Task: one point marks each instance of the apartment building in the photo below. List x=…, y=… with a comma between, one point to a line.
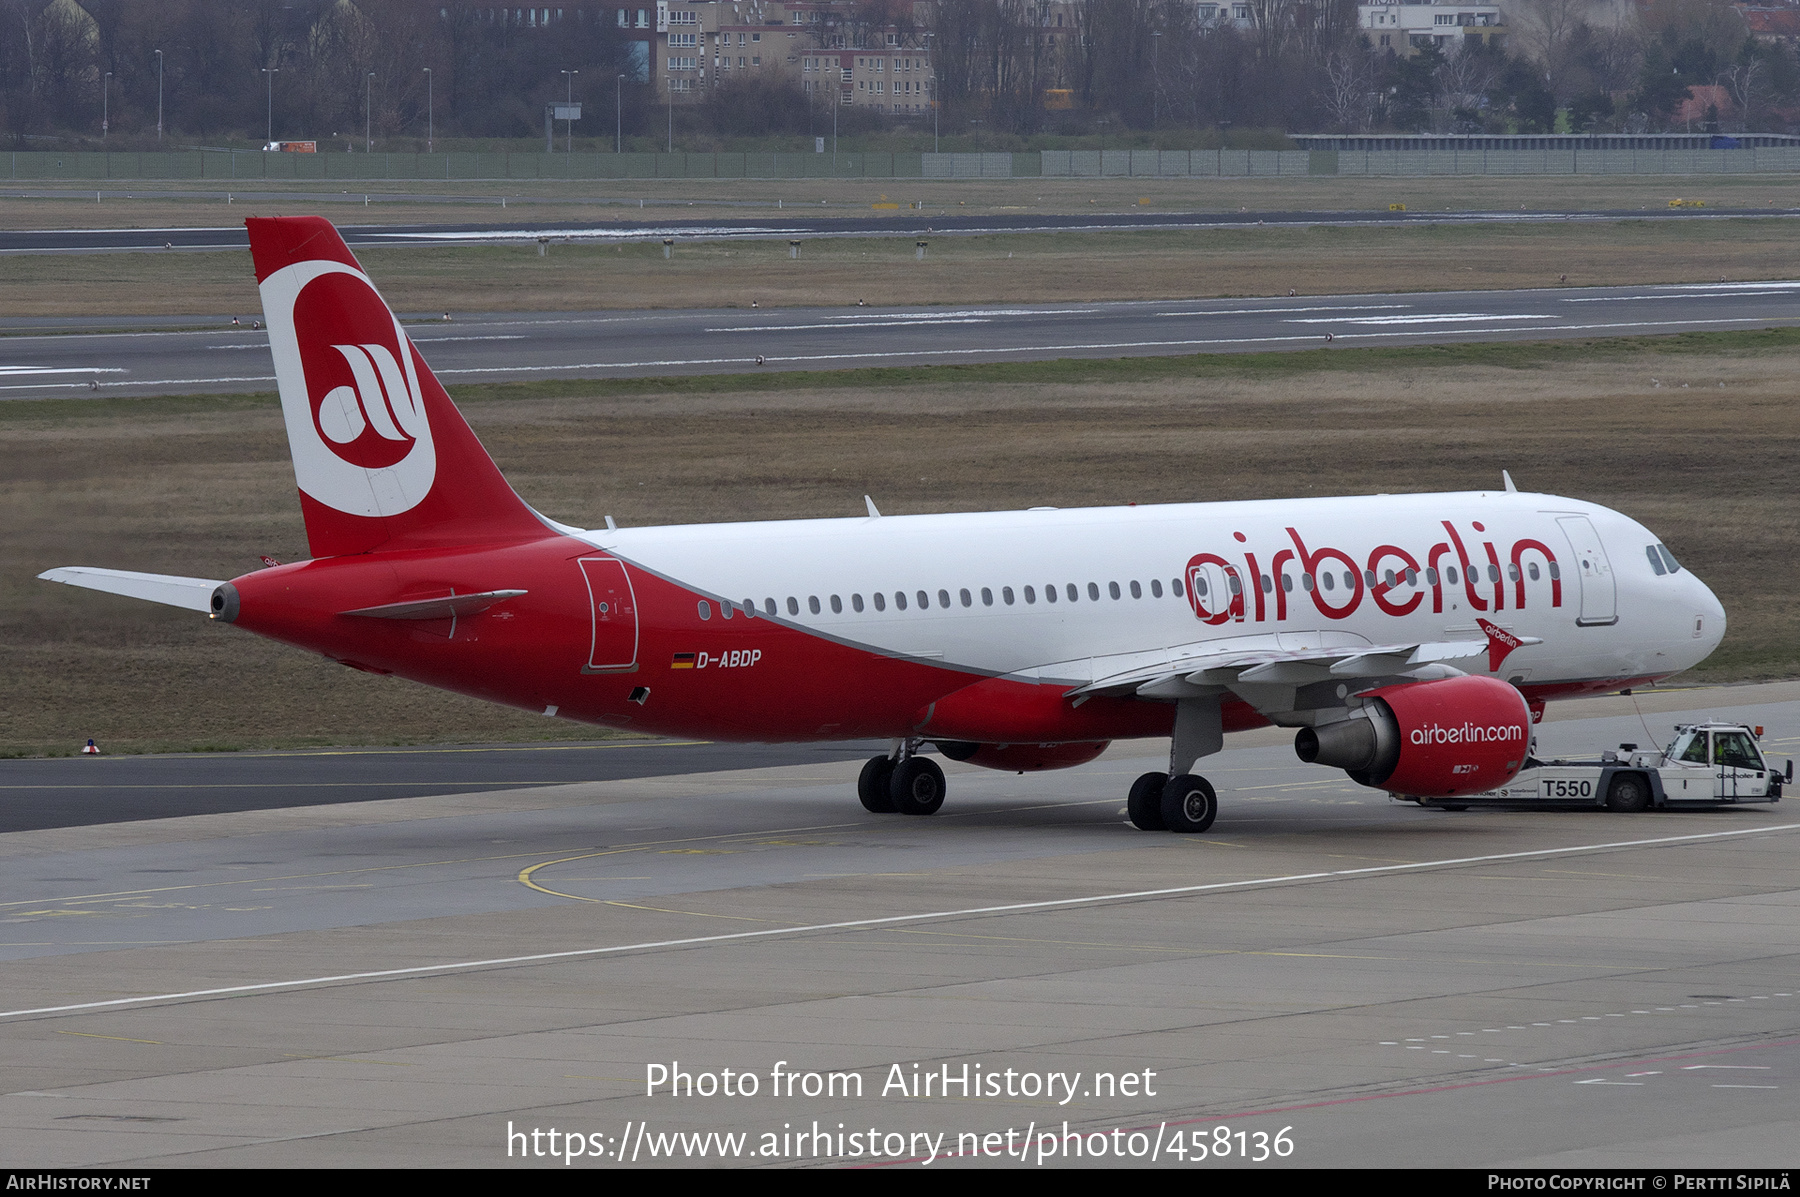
x=820, y=44
x=1405, y=29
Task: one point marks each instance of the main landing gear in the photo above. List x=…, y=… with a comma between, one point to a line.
x=911, y=785
x=1185, y=802
x=1178, y=800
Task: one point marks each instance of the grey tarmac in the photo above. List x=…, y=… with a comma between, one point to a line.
x=394, y=983
x=206, y=354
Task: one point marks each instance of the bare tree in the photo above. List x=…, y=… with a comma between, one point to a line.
x=1350, y=88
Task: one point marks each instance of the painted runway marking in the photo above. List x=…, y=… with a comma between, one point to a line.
x=890, y=920
x=31, y=371
x=1443, y=318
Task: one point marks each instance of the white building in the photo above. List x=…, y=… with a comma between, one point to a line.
x=1407, y=28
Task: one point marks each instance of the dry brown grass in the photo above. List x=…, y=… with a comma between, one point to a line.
x=957, y=270
x=203, y=488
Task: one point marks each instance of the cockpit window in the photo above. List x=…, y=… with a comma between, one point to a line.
x=1656, y=564
x=1669, y=559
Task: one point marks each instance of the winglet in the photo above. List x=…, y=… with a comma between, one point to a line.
x=1510, y=488
x=873, y=514
x=1500, y=644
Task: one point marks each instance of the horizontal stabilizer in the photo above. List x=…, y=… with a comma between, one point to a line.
x=195, y=594
x=448, y=607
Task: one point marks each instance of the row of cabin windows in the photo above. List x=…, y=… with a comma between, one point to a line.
x=1069, y=592
x=1072, y=593
x=1410, y=577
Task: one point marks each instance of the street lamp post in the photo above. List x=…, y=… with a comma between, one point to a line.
x=270, y=72
x=569, y=125
x=430, y=112
x=936, y=119
x=671, y=114
x=618, y=115
x=837, y=99
x=369, y=113
x=1155, y=77
x=159, y=94
x=105, y=106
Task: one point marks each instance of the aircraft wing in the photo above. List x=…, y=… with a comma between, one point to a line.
x=1192, y=674
x=195, y=594
x=1247, y=670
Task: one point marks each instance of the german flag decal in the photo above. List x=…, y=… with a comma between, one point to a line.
x=682, y=661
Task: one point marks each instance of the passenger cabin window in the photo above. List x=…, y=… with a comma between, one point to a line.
x=1006, y=595
x=705, y=609
x=1155, y=587
x=880, y=601
x=856, y=603
x=1137, y=592
x=837, y=605
x=1030, y=596
x=793, y=605
x=812, y=603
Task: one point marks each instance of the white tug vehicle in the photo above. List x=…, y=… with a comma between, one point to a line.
x=1709, y=764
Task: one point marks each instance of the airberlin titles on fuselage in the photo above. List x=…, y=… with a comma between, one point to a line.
x=1217, y=585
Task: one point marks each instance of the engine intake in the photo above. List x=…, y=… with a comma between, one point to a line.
x=1431, y=739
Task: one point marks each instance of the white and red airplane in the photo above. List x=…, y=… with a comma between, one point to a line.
x=1411, y=639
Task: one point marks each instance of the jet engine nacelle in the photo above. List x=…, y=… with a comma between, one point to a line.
x=1437, y=739
x=1022, y=758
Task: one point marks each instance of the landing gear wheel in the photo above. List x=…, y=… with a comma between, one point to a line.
x=1189, y=804
x=1628, y=795
x=1145, y=803
x=917, y=786
x=872, y=786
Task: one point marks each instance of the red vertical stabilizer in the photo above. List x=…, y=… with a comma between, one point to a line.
x=382, y=457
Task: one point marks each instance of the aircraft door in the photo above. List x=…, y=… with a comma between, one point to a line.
x=1213, y=591
x=615, y=642
x=1599, y=595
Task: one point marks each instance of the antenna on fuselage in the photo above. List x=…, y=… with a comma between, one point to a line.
x=1510, y=488
x=873, y=514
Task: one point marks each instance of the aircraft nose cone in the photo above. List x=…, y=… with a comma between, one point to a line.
x=1709, y=615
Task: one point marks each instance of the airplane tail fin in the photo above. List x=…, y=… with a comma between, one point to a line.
x=382, y=457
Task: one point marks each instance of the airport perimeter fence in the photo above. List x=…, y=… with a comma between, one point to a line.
x=249, y=166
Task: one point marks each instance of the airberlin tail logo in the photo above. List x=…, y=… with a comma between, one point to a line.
x=350, y=391
x=379, y=402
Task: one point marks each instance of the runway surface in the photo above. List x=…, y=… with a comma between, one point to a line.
x=84, y=790
x=38, y=362
x=793, y=221
x=402, y=982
